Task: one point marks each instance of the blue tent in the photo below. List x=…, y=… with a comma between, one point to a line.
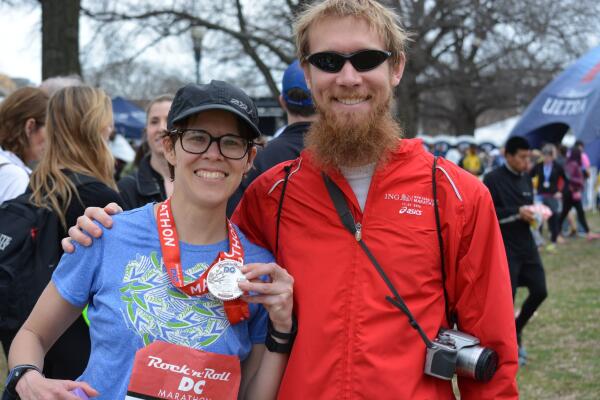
x=571, y=100
x=130, y=120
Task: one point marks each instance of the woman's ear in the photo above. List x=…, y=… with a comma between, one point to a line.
x=30, y=126
x=169, y=150
x=251, y=157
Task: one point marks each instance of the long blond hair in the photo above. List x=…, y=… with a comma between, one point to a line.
x=75, y=120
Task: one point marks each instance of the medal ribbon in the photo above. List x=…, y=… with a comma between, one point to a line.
x=547, y=173
x=236, y=310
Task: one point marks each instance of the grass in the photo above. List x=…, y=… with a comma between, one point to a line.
x=563, y=338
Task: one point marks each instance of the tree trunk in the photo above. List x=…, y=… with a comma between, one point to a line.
x=60, y=38
x=464, y=121
x=407, y=104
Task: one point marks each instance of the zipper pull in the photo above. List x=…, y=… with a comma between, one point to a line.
x=358, y=234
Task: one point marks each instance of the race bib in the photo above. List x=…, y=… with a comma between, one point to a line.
x=168, y=371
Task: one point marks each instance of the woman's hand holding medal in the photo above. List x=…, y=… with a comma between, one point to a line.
x=275, y=294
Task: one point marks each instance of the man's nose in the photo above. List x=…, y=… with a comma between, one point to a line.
x=348, y=76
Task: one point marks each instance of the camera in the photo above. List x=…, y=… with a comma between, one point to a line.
x=456, y=352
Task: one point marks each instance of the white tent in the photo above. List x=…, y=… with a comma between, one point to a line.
x=496, y=133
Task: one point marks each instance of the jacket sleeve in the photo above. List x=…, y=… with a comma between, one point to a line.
x=502, y=211
x=483, y=296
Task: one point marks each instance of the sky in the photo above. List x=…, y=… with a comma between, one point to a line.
x=20, y=44
x=20, y=41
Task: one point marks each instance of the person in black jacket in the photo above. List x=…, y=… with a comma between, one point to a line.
x=512, y=191
x=151, y=180
x=297, y=102
x=551, y=180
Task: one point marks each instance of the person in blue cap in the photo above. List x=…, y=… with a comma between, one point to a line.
x=297, y=102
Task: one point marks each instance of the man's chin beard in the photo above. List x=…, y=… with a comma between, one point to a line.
x=351, y=140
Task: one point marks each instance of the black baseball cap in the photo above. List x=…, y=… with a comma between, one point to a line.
x=216, y=95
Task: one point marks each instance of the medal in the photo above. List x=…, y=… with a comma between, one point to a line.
x=546, y=184
x=220, y=278
x=223, y=278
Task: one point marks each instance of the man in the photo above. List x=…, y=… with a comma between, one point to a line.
x=512, y=193
x=551, y=179
x=471, y=161
x=296, y=100
x=351, y=342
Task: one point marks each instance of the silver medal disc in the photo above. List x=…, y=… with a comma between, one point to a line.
x=223, y=278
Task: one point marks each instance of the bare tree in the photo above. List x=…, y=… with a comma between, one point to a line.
x=60, y=34
x=60, y=37
x=467, y=58
x=470, y=57
x=134, y=80
x=261, y=32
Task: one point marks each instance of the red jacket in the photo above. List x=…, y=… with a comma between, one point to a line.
x=352, y=343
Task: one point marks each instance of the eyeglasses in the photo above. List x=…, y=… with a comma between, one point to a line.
x=198, y=141
x=362, y=61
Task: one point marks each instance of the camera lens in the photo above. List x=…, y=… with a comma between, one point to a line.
x=486, y=365
x=477, y=362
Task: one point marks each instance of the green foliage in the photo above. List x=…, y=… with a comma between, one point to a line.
x=562, y=338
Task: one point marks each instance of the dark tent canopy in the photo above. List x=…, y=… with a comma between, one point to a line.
x=571, y=100
x=130, y=120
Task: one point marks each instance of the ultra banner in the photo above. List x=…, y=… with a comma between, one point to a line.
x=167, y=371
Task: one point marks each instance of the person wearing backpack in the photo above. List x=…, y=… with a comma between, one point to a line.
x=75, y=172
x=22, y=138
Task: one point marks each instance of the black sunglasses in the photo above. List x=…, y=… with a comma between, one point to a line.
x=362, y=60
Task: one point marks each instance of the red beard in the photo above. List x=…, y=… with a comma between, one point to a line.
x=348, y=140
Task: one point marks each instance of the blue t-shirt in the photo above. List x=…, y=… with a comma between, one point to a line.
x=132, y=302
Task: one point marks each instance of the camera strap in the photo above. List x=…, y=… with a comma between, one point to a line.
x=348, y=221
x=350, y=224
x=287, y=169
x=450, y=316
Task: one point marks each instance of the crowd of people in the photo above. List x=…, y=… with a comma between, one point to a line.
x=561, y=181
x=310, y=261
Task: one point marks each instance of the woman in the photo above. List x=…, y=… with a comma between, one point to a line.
x=550, y=180
x=151, y=181
x=573, y=192
x=78, y=125
x=134, y=302
x=22, y=138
